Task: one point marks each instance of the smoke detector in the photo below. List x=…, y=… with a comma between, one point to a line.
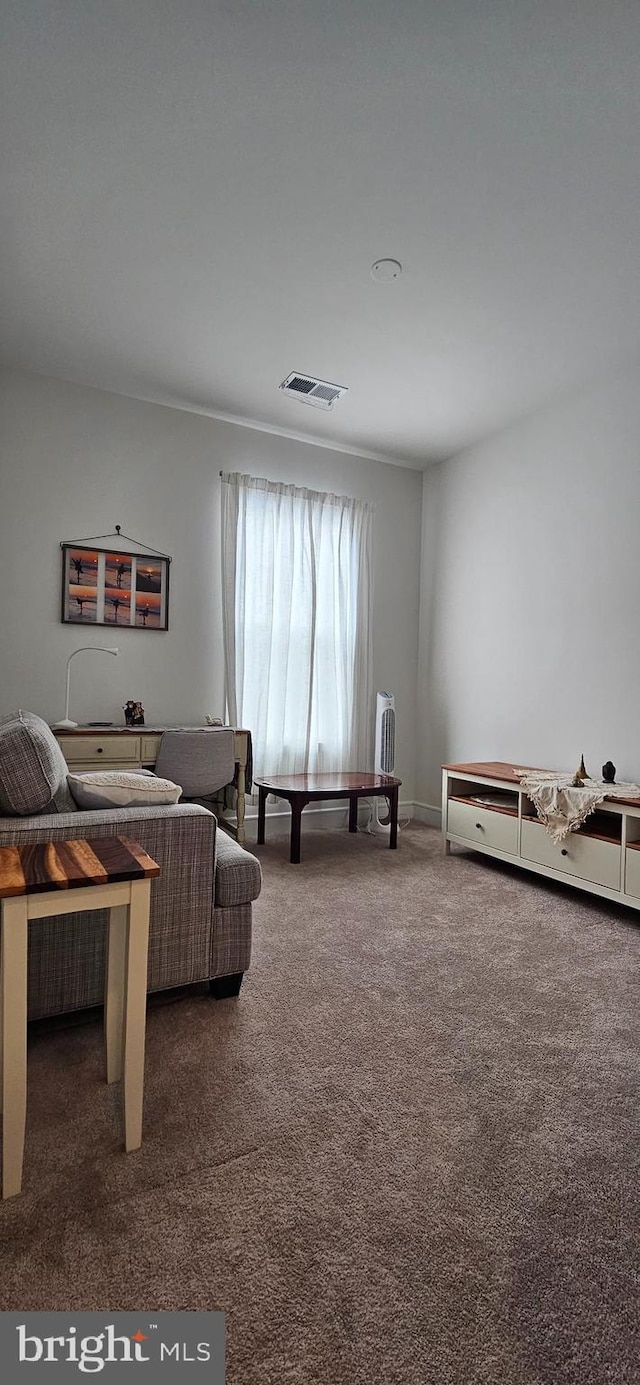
x=308, y=390
x=384, y=271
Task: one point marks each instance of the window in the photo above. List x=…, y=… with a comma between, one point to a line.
x=297, y=595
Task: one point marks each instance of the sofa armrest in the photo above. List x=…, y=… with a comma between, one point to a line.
x=66, y=954
x=57, y=827
x=180, y=837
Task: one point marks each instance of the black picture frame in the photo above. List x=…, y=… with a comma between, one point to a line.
x=116, y=588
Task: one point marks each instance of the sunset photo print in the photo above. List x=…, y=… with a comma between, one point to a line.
x=102, y=587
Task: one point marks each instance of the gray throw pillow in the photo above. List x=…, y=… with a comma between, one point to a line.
x=33, y=770
x=119, y=788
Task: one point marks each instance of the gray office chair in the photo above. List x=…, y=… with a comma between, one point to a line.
x=201, y=761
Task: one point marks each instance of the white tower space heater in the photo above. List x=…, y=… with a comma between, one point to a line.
x=385, y=753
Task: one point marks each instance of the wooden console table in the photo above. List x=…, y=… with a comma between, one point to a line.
x=603, y=856
x=136, y=747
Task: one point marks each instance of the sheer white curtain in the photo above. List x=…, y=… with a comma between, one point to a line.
x=297, y=625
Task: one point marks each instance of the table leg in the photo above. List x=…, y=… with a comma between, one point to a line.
x=446, y=845
x=13, y=962
x=240, y=805
x=262, y=809
x=393, y=813
x=353, y=813
x=135, y=1005
x=297, y=804
x=114, y=988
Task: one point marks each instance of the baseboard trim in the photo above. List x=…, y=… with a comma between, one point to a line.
x=427, y=812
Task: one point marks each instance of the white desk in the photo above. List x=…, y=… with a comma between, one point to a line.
x=136, y=747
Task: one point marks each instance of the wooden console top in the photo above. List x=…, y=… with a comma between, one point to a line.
x=501, y=769
x=139, y=730
x=495, y=769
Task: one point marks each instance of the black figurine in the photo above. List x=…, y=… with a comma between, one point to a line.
x=609, y=773
x=134, y=713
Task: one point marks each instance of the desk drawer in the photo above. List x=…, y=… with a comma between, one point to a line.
x=483, y=826
x=587, y=857
x=150, y=746
x=96, y=750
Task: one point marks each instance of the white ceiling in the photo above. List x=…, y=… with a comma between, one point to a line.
x=192, y=194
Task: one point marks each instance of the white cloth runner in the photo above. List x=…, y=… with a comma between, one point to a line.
x=562, y=806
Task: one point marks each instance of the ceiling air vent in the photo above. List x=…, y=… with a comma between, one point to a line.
x=311, y=391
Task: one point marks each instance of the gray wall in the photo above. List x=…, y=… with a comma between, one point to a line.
x=76, y=461
x=529, y=647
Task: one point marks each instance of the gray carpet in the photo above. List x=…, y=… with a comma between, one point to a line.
x=410, y=1152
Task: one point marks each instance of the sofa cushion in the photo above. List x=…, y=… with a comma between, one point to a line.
x=117, y=788
x=238, y=874
x=33, y=770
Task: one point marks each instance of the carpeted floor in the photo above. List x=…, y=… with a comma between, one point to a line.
x=409, y=1154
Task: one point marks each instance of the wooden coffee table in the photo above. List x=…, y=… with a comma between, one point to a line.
x=67, y=877
x=300, y=789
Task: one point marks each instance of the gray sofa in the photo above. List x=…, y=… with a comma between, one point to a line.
x=200, y=904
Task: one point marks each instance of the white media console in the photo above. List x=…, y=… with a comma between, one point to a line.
x=603, y=857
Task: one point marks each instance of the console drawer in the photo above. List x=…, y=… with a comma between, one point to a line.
x=589, y=858
x=96, y=750
x=483, y=826
x=632, y=873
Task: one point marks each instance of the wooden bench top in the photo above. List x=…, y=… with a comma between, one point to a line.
x=70, y=864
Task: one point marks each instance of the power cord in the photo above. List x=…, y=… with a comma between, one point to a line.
x=402, y=822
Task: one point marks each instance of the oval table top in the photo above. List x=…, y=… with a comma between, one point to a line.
x=337, y=781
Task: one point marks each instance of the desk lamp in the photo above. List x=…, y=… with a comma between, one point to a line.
x=68, y=725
